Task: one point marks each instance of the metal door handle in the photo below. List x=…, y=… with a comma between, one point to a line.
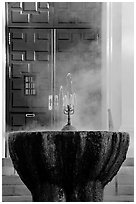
x=9, y=72
x=50, y=102
x=30, y=115
x=56, y=101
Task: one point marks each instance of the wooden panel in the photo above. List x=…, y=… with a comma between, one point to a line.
x=40, y=121
x=18, y=100
x=42, y=76
x=29, y=57
x=18, y=69
x=77, y=14
x=17, y=85
x=17, y=56
x=29, y=6
x=30, y=121
x=76, y=49
x=17, y=17
x=18, y=120
x=15, y=5
x=30, y=14
x=29, y=42
x=55, y=14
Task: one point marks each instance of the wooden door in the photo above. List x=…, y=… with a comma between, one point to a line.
x=46, y=41
x=29, y=71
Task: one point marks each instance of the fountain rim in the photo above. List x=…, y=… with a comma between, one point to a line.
x=67, y=131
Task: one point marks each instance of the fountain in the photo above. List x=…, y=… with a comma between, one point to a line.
x=69, y=103
x=67, y=165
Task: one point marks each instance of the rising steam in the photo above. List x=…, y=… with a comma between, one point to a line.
x=82, y=60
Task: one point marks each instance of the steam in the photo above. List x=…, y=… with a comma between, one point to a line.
x=83, y=60
x=87, y=13
x=85, y=68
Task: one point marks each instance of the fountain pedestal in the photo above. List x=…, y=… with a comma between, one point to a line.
x=67, y=165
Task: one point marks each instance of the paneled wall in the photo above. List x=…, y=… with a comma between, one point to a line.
x=29, y=60
x=46, y=41
x=54, y=14
x=29, y=14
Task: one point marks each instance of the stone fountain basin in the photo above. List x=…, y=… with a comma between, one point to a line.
x=67, y=165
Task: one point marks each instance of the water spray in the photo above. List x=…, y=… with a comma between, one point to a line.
x=68, y=103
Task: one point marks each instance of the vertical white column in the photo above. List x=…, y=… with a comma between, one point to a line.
x=104, y=64
x=115, y=64
x=127, y=123
x=106, y=60
x=111, y=64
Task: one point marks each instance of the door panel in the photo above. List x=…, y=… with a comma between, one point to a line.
x=30, y=73
x=77, y=14
x=29, y=121
x=19, y=101
x=75, y=52
x=54, y=14
x=18, y=69
x=32, y=14
x=17, y=121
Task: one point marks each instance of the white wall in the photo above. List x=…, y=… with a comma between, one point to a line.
x=128, y=72
x=121, y=69
x=115, y=66
x=111, y=70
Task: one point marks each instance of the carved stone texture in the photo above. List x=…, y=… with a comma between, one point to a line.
x=69, y=165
